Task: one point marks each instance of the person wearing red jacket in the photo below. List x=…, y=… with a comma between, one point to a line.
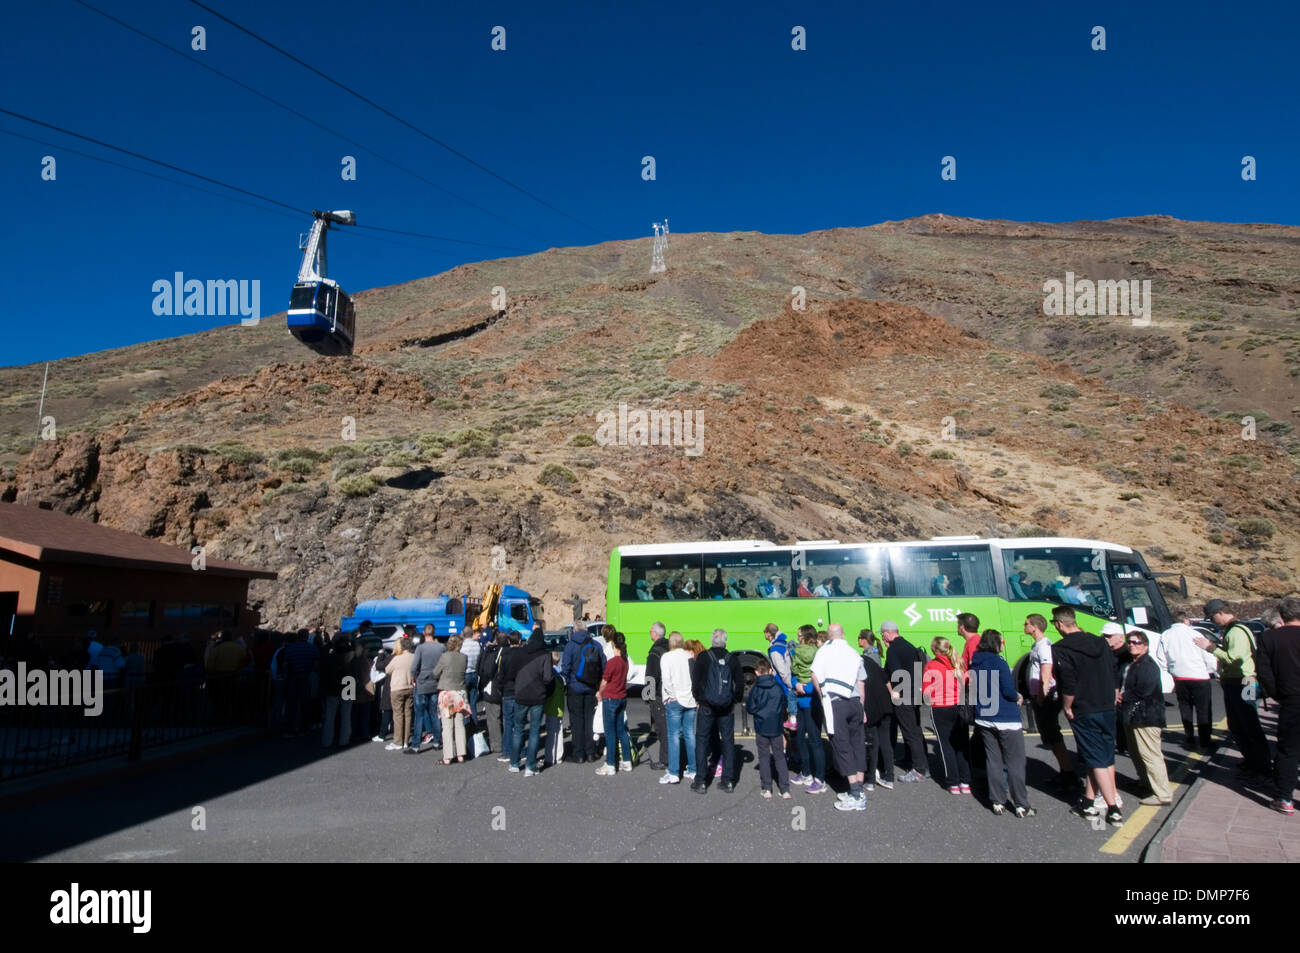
x=943, y=684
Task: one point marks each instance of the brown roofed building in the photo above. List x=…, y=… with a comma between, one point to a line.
x=61, y=577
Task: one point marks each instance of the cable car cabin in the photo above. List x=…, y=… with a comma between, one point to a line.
x=322, y=316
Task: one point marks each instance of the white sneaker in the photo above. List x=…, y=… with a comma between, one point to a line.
x=852, y=804
x=846, y=796
x=512, y=769
x=606, y=771
x=529, y=772
x=378, y=738
x=688, y=775
x=392, y=747
x=625, y=766
x=670, y=779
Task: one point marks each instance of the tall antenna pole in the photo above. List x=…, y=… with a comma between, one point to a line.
x=40, y=413
x=657, y=260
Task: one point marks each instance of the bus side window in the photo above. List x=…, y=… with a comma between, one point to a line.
x=942, y=571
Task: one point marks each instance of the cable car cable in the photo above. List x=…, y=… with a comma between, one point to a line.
x=152, y=175
x=226, y=185
x=303, y=116
x=392, y=115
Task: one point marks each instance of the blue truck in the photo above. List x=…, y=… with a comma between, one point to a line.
x=502, y=609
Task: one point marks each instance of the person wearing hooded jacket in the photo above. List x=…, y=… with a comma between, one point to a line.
x=1085, y=677
x=580, y=695
x=766, y=702
x=489, y=670
x=714, y=723
x=778, y=655
x=532, y=683
x=507, y=671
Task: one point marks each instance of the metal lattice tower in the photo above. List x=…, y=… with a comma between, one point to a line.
x=657, y=261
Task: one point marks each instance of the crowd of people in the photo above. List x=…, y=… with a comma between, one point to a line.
x=813, y=692
x=470, y=696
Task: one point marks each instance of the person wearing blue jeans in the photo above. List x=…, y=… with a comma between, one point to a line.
x=534, y=676
x=532, y=714
x=613, y=708
x=425, y=718
x=425, y=713
x=681, y=726
x=808, y=739
x=613, y=712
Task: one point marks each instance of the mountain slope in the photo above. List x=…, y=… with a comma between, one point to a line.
x=922, y=392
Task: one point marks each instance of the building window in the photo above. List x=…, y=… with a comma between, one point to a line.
x=214, y=614
x=137, y=613
x=89, y=610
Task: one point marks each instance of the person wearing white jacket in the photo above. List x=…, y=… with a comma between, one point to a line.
x=1191, y=667
x=679, y=708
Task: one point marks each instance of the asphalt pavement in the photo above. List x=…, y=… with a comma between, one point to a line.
x=289, y=800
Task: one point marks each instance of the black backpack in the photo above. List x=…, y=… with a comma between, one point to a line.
x=589, y=675
x=718, y=690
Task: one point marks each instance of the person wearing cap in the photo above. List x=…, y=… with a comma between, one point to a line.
x=1190, y=665
x=1236, y=658
x=902, y=657
x=1113, y=633
x=840, y=678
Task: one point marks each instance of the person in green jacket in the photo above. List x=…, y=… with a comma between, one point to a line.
x=1240, y=687
x=553, y=711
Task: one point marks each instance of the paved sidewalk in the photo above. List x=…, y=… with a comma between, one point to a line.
x=1228, y=822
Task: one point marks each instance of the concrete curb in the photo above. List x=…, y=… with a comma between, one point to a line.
x=1153, y=853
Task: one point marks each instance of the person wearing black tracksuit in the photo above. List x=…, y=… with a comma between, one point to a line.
x=878, y=707
x=902, y=656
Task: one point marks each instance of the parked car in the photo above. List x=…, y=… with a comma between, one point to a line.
x=380, y=636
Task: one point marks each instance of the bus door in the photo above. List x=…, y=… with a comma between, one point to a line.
x=1138, y=598
x=853, y=614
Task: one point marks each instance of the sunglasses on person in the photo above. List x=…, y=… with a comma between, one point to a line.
x=1136, y=642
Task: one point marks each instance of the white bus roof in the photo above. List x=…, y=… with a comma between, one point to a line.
x=740, y=545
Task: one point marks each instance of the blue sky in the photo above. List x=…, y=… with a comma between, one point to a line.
x=747, y=133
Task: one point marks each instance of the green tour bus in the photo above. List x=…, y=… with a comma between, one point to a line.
x=742, y=585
